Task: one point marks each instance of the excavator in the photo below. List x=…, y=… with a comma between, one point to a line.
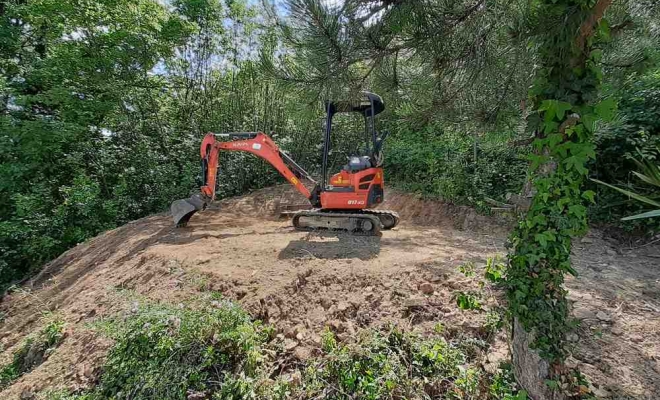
x=344, y=202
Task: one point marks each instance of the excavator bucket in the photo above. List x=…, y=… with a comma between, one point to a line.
x=183, y=209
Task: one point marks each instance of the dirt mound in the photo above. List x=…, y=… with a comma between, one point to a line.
x=304, y=283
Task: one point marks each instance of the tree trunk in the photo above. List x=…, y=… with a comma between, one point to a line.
x=530, y=369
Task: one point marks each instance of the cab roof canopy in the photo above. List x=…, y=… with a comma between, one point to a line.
x=362, y=106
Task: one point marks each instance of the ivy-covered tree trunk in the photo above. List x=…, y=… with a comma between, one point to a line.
x=564, y=96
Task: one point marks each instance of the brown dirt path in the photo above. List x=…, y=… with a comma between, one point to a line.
x=304, y=282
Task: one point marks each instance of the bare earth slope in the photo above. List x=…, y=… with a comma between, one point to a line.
x=303, y=282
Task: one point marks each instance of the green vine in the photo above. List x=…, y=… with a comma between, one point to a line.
x=564, y=95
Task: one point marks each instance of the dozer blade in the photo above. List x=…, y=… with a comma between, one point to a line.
x=183, y=209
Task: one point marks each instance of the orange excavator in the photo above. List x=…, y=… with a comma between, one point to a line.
x=344, y=202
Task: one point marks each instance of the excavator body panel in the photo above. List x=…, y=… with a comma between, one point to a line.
x=354, y=191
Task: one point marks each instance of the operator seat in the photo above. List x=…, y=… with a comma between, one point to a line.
x=357, y=163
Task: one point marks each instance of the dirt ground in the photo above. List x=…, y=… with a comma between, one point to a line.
x=304, y=282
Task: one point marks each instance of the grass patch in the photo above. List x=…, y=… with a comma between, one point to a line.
x=217, y=352
x=33, y=351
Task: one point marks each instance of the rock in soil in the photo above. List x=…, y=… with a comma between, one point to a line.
x=290, y=344
x=336, y=326
x=636, y=338
x=426, y=288
x=603, y=316
x=326, y=303
x=414, y=302
x=302, y=353
x=617, y=330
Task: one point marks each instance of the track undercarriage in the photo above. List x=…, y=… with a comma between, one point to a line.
x=363, y=222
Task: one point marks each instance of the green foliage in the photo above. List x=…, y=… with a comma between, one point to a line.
x=441, y=164
x=434, y=58
x=177, y=350
x=634, y=136
x=649, y=174
x=495, y=269
x=467, y=269
x=502, y=383
x=220, y=353
x=394, y=364
x=102, y=109
x=32, y=352
x=565, y=96
x=468, y=301
x=494, y=321
x=69, y=71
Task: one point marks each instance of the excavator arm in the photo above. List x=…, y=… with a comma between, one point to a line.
x=256, y=143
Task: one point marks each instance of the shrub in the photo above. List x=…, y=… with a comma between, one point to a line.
x=441, y=164
x=165, y=352
x=390, y=364
x=635, y=135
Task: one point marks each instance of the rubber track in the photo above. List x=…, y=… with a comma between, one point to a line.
x=328, y=214
x=375, y=212
x=393, y=214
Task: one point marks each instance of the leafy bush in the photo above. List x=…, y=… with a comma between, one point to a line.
x=635, y=135
x=495, y=269
x=650, y=174
x=502, y=385
x=394, y=364
x=468, y=301
x=441, y=163
x=165, y=352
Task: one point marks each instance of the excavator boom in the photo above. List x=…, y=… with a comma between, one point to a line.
x=256, y=143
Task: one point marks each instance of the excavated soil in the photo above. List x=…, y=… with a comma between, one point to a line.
x=305, y=282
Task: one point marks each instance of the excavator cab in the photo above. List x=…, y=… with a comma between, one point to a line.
x=368, y=106
x=343, y=201
x=360, y=180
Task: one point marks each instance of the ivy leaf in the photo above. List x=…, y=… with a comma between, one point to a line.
x=541, y=238
x=552, y=384
x=596, y=55
x=577, y=210
x=554, y=108
x=589, y=122
x=554, y=139
x=577, y=163
x=589, y=195
x=561, y=109
x=550, y=107
x=550, y=126
x=536, y=161
x=606, y=109
x=604, y=30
